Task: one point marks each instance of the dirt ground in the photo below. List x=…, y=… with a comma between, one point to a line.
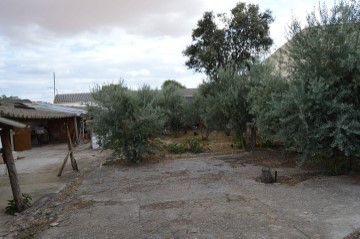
x=211, y=195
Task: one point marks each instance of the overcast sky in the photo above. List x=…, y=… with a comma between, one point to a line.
x=88, y=42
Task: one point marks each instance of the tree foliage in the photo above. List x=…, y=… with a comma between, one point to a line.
x=228, y=101
x=266, y=91
x=316, y=109
x=125, y=120
x=244, y=35
x=171, y=104
x=175, y=83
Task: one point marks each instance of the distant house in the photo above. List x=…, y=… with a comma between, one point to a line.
x=189, y=93
x=45, y=124
x=74, y=99
x=279, y=60
x=85, y=99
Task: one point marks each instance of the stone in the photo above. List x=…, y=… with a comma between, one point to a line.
x=54, y=224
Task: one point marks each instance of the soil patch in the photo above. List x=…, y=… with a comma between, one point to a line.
x=163, y=205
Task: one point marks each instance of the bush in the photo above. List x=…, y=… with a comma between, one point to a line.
x=195, y=145
x=126, y=121
x=176, y=148
x=315, y=108
x=192, y=145
x=11, y=207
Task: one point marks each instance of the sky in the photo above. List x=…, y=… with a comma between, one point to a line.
x=92, y=42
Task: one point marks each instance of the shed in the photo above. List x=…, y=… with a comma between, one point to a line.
x=45, y=125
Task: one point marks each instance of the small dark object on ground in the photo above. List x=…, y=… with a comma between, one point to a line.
x=266, y=176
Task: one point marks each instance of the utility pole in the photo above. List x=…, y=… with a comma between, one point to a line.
x=54, y=85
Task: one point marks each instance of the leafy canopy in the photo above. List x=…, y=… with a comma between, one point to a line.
x=125, y=120
x=244, y=34
x=316, y=109
x=175, y=83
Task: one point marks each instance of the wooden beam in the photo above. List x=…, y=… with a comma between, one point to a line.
x=77, y=141
x=63, y=165
x=70, y=154
x=8, y=122
x=10, y=164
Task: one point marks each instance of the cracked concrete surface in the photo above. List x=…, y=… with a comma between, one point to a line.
x=206, y=197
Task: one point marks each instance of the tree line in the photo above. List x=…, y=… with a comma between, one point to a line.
x=306, y=96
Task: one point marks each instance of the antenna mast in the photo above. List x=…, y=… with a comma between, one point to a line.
x=54, y=85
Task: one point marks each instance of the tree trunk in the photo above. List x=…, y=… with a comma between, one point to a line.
x=202, y=126
x=253, y=138
x=10, y=164
x=240, y=136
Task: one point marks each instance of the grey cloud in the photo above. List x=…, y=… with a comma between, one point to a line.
x=68, y=17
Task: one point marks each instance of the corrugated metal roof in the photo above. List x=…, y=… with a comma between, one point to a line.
x=58, y=108
x=73, y=98
x=21, y=110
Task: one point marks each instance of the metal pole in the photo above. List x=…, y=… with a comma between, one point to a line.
x=54, y=85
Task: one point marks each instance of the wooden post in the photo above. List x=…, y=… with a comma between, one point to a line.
x=12, y=134
x=77, y=141
x=10, y=164
x=63, y=165
x=70, y=147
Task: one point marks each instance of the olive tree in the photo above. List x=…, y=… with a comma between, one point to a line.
x=317, y=109
x=238, y=40
x=125, y=120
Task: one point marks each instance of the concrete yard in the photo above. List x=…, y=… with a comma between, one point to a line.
x=206, y=196
x=37, y=172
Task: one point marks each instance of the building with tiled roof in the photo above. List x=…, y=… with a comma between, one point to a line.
x=74, y=99
x=189, y=93
x=84, y=99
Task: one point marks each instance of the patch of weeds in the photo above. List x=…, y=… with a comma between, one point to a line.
x=11, y=207
x=177, y=148
x=195, y=145
x=331, y=166
x=267, y=144
x=236, y=144
x=192, y=145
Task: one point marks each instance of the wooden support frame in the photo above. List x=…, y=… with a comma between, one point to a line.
x=70, y=154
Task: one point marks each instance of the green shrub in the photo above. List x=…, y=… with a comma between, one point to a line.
x=11, y=207
x=267, y=143
x=126, y=121
x=176, y=148
x=195, y=145
x=192, y=145
x=330, y=165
